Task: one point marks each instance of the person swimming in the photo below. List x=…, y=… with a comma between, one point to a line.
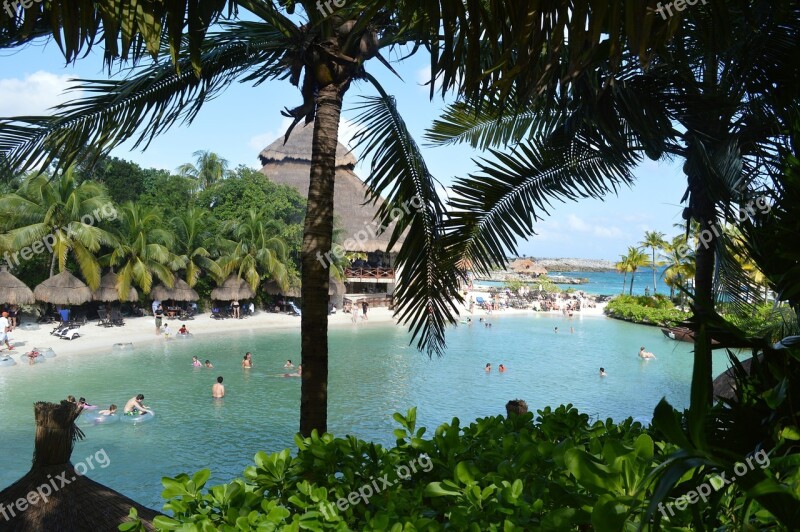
x=83, y=404
x=288, y=364
x=208, y=364
x=247, y=361
x=134, y=406
x=645, y=354
x=487, y=368
x=298, y=373
x=603, y=372
x=108, y=412
x=183, y=329
x=195, y=362
x=502, y=368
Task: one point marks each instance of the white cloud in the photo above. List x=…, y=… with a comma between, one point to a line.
x=34, y=94
x=598, y=229
x=262, y=140
x=608, y=232
x=577, y=224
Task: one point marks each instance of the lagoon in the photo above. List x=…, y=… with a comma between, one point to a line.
x=374, y=372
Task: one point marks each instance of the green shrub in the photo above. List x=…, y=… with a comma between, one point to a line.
x=656, y=310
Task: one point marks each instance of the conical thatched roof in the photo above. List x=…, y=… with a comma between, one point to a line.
x=108, y=290
x=180, y=291
x=527, y=266
x=63, y=289
x=13, y=291
x=233, y=288
x=272, y=288
x=290, y=165
x=78, y=504
x=725, y=384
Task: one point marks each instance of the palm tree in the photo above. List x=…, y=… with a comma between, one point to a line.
x=209, y=168
x=254, y=252
x=634, y=260
x=62, y=216
x=653, y=240
x=191, y=237
x=679, y=261
x=623, y=267
x=142, y=250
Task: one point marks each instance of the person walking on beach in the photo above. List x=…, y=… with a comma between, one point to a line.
x=159, y=315
x=354, y=312
x=218, y=390
x=5, y=327
x=364, y=307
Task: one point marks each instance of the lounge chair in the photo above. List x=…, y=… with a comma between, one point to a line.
x=104, y=319
x=296, y=311
x=217, y=314
x=116, y=318
x=70, y=334
x=188, y=314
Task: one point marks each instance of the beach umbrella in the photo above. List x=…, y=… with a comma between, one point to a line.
x=13, y=291
x=63, y=289
x=272, y=288
x=107, y=291
x=233, y=288
x=77, y=504
x=180, y=291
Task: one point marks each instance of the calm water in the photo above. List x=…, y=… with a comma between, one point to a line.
x=609, y=283
x=374, y=372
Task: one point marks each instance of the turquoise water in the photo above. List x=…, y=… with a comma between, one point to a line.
x=374, y=372
x=609, y=283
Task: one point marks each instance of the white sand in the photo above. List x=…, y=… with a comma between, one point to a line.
x=141, y=331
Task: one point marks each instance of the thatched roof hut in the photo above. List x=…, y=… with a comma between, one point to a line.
x=107, y=291
x=63, y=289
x=233, y=288
x=527, y=266
x=180, y=291
x=78, y=504
x=290, y=164
x=272, y=288
x=724, y=385
x=13, y=291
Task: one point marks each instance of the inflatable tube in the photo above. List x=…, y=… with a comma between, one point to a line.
x=184, y=336
x=38, y=359
x=7, y=362
x=136, y=419
x=89, y=419
x=47, y=352
x=122, y=346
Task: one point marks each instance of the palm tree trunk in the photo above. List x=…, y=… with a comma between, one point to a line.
x=633, y=274
x=655, y=289
x=317, y=239
x=624, y=282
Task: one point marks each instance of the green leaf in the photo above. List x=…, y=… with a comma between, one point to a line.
x=436, y=489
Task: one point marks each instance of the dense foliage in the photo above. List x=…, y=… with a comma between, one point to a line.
x=646, y=310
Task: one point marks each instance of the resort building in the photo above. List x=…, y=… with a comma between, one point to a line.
x=371, y=273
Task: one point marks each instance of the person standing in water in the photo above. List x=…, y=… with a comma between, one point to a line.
x=247, y=361
x=218, y=390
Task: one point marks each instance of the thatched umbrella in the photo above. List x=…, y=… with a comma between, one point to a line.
x=63, y=289
x=724, y=385
x=180, y=291
x=233, y=288
x=272, y=288
x=107, y=291
x=13, y=291
x=55, y=495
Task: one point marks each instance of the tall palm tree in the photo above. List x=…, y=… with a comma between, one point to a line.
x=679, y=260
x=653, y=240
x=191, y=238
x=143, y=249
x=634, y=260
x=623, y=267
x=254, y=252
x=62, y=216
x=209, y=168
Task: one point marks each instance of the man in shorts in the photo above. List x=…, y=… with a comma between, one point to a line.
x=5, y=327
x=134, y=407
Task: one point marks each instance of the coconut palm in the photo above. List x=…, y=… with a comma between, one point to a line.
x=191, y=237
x=679, y=260
x=253, y=252
x=61, y=217
x=209, y=168
x=623, y=267
x=142, y=250
x=634, y=259
x=653, y=240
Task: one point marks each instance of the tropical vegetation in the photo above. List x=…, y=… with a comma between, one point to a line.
x=646, y=310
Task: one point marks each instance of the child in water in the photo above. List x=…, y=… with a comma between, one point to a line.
x=196, y=363
x=208, y=364
x=109, y=412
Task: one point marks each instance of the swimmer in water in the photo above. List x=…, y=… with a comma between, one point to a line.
x=502, y=368
x=247, y=361
x=298, y=373
x=487, y=368
x=218, y=389
x=109, y=412
x=288, y=364
x=603, y=372
x=208, y=364
x=135, y=407
x=195, y=362
x=646, y=355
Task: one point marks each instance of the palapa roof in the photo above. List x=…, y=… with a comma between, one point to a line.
x=13, y=291
x=272, y=288
x=724, y=385
x=78, y=504
x=180, y=291
x=63, y=289
x=107, y=291
x=527, y=266
x=233, y=288
x=290, y=164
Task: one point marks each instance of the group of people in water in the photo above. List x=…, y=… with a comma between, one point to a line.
x=488, y=368
x=134, y=406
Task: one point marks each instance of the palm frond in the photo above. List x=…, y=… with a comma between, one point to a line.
x=427, y=287
x=501, y=202
x=147, y=103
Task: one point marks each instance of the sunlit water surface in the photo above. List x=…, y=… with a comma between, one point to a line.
x=373, y=373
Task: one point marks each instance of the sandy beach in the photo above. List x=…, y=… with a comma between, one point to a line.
x=141, y=330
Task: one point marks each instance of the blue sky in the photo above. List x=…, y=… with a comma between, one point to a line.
x=244, y=119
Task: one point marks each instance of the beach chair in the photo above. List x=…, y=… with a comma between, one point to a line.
x=480, y=301
x=188, y=314
x=295, y=311
x=70, y=334
x=104, y=319
x=217, y=314
x=116, y=318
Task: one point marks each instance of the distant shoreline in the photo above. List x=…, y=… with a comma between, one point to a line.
x=575, y=265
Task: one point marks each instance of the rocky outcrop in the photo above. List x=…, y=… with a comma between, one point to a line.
x=576, y=265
